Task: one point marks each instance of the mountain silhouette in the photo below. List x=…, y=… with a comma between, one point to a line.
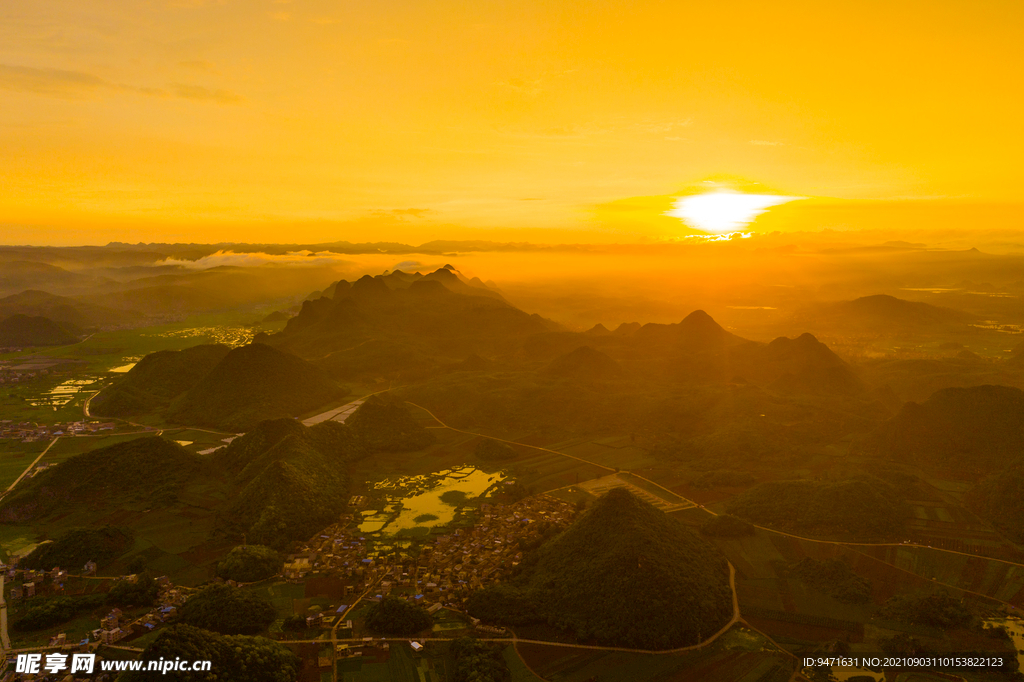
x=28, y=330
x=972, y=430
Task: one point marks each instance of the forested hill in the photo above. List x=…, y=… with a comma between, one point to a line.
x=430, y=313
x=252, y=383
x=972, y=430
x=30, y=330
x=157, y=379
x=660, y=584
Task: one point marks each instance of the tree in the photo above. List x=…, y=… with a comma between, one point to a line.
x=142, y=592
x=250, y=563
x=476, y=661
x=227, y=610
x=394, y=616
x=233, y=658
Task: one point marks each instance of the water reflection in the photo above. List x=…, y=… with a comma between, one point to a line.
x=425, y=501
x=1014, y=626
x=62, y=394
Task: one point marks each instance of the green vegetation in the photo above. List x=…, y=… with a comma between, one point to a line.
x=79, y=545
x=803, y=619
x=476, y=661
x=660, y=585
x=291, y=480
x=1000, y=499
x=494, y=451
x=454, y=497
x=423, y=518
x=726, y=526
x=385, y=425
x=503, y=604
x=973, y=430
x=862, y=506
x=722, y=477
x=294, y=623
x=835, y=578
x=250, y=563
x=26, y=330
x=938, y=610
x=250, y=384
x=394, y=616
x=584, y=364
x=146, y=470
x=142, y=592
x=157, y=379
x=43, y=612
x=233, y=658
x=227, y=610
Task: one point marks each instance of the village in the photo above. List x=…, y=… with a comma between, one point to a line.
x=29, y=432
x=448, y=567
x=115, y=625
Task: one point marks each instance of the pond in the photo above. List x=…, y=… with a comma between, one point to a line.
x=425, y=501
x=62, y=394
x=1014, y=626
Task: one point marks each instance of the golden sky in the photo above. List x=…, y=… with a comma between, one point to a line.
x=309, y=120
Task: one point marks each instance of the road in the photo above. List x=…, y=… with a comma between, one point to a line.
x=691, y=503
x=344, y=412
x=705, y=509
x=30, y=466
x=736, y=618
x=339, y=621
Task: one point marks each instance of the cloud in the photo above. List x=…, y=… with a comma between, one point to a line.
x=766, y=143
x=49, y=81
x=201, y=94
x=280, y=16
x=77, y=84
x=407, y=264
x=255, y=259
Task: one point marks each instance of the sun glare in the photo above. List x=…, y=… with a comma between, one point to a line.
x=721, y=212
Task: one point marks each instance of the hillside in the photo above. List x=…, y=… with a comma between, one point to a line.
x=584, y=364
x=864, y=506
x=65, y=310
x=290, y=480
x=77, y=546
x=250, y=384
x=146, y=471
x=384, y=425
x=659, y=584
x=972, y=430
x=881, y=314
x=157, y=379
x=27, y=330
x=419, y=316
x=1000, y=500
x=800, y=365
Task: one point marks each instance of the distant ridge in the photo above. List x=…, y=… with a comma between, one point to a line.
x=64, y=310
x=583, y=364
x=880, y=313
x=26, y=330
x=972, y=430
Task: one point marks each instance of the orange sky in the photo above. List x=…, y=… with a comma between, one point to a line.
x=308, y=120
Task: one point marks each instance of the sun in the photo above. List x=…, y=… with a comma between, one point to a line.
x=722, y=211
